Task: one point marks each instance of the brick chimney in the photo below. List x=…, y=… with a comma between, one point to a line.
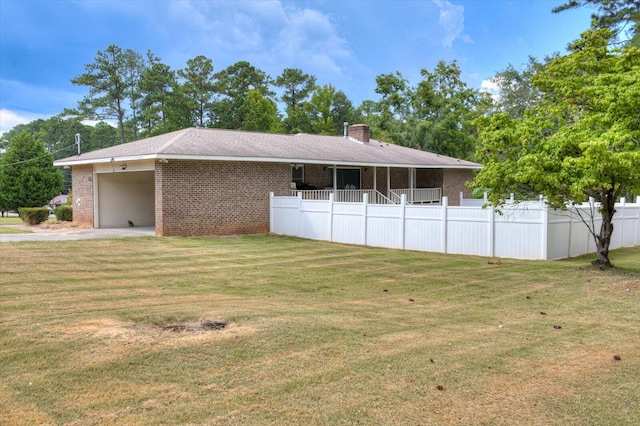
x=359, y=132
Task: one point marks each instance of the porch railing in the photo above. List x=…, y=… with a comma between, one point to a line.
x=344, y=195
x=416, y=195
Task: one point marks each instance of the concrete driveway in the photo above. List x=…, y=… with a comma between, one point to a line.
x=80, y=234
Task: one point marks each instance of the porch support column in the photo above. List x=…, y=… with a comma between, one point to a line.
x=411, y=185
x=388, y=181
x=375, y=180
x=335, y=178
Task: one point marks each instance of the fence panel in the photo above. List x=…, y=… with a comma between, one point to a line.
x=315, y=219
x=348, y=223
x=285, y=215
x=424, y=228
x=528, y=230
x=562, y=239
x=468, y=231
x=384, y=225
x=632, y=225
x=519, y=231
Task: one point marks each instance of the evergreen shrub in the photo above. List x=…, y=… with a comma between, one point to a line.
x=33, y=215
x=64, y=213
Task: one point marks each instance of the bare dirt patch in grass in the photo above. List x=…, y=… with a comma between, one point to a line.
x=195, y=326
x=107, y=328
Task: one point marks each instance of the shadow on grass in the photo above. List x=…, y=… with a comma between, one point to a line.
x=623, y=261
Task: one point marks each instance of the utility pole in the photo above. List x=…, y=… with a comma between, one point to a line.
x=78, y=142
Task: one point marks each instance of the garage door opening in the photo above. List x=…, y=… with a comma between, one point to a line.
x=126, y=199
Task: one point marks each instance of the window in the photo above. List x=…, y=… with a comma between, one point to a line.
x=347, y=178
x=297, y=173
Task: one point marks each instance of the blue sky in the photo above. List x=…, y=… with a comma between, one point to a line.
x=347, y=43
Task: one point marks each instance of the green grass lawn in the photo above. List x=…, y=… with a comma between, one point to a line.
x=316, y=334
x=15, y=220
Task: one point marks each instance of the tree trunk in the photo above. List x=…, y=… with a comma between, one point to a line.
x=121, y=124
x=603, y=239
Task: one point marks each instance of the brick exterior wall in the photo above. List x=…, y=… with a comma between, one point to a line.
x=454, y=182
x=399, y=178
x=206, y=198
x=316, y=176
x=82, y=186
x=429, y=178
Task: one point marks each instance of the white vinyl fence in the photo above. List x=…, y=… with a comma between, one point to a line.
x=528, y=230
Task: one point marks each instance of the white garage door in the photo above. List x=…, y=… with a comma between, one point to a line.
x=124, y=197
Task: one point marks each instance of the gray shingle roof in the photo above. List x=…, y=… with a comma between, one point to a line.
x=233, y=145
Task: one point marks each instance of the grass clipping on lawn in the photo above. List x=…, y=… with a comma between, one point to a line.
x=266, y=330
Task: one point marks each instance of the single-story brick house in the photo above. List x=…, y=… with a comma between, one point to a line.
x=201, y=181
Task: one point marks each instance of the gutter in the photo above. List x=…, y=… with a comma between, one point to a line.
x=324, y=162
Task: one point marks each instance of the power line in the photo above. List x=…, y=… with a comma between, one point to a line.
x=37, y=158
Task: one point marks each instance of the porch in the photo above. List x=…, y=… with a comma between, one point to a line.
x=412, y=195
x=382, y=185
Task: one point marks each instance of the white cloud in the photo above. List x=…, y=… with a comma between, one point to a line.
x=10, y=119
x=452, y=21
x=265, y=33
x=311, y=39
x=492, y=87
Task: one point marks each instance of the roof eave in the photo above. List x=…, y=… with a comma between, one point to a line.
x=79, y=162
x=342, y=163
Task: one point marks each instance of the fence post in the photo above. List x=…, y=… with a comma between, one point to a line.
x=300, y=215
x=365, y=202
x=331, y=200
x=492, y=233
x=544, y=235
x=445, y=206
x=570, y=230
x=623, y=201
x=271, y=195
x=461, y=198
x=403, y=207
x=636, y=240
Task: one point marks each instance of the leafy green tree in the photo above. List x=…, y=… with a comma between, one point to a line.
x=391, y=117
x=318, y=111
x=297, y=87
x=261, y=114
x=155, y=86
x=581, y=142
x=516, y=92
x=102, y=135
x=446, y=108
x=622, y=17
x=437, y=115
x=111, y=80
x=134, y=68
x=327, y=110
x=198, y=87
x=57, y=134
x=341, y=111
x=28, y=177
x=233, y=84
